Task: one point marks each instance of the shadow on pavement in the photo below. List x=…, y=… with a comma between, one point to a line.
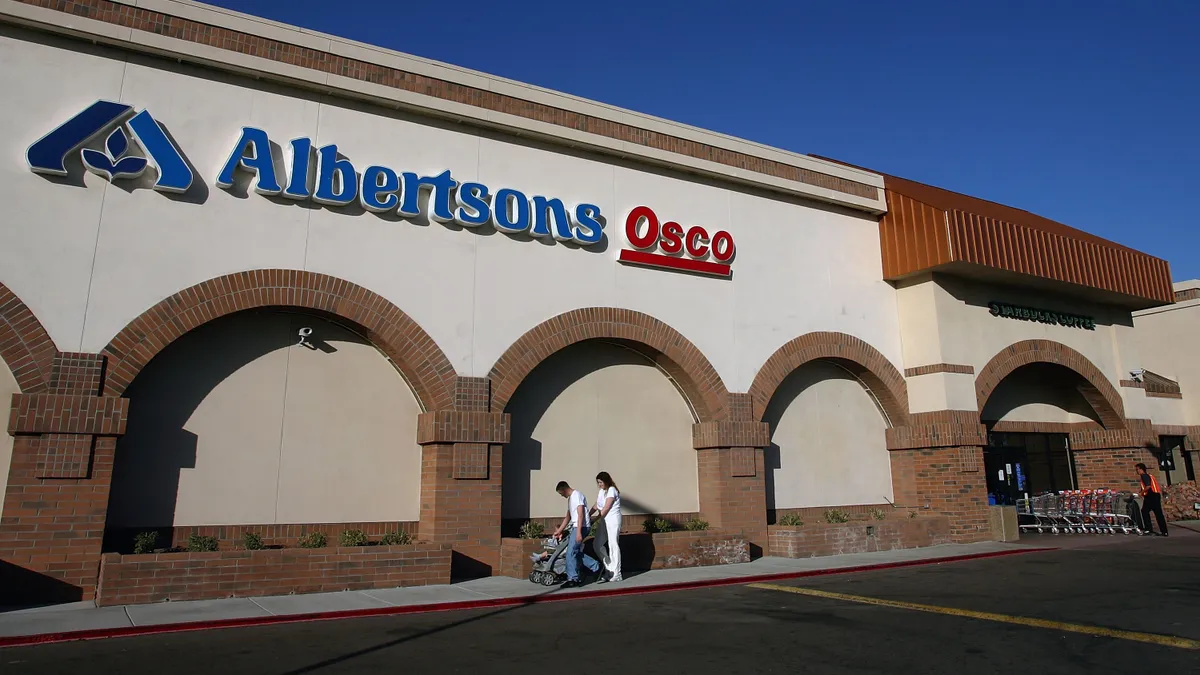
x=526, y=601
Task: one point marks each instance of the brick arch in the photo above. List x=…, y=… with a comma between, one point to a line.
x=396, y=334
x=873, y=370
x=24, y=344
x=690, y=369
x=1095, y=387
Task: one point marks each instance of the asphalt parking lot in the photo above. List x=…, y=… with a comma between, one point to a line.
x=1121, y=604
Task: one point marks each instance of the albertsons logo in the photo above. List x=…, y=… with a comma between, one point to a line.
x=49, y=154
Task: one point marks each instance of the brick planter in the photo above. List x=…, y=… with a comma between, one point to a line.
x=641, y=551
x=670, y=550
x=821, y=539
x=514, y=556
x=137, y=579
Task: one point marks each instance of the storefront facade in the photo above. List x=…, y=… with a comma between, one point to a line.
x=258, y=279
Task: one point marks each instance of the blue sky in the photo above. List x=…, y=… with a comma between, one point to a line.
x=1084, y=112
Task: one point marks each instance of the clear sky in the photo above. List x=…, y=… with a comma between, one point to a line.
x=1087, y=112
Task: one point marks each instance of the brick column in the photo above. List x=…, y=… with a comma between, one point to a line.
x=937, y=466
x=57, y=497
x=732, y=473
x=461, y=452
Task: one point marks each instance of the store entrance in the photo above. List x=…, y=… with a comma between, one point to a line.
x=1019, y=465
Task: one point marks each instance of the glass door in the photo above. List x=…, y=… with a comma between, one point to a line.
x=1021, y=465
x=1173, y=447
x=1007, y=465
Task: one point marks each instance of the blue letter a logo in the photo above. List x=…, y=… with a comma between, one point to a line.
x=49, y=154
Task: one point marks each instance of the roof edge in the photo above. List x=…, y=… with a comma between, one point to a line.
x=124, y=24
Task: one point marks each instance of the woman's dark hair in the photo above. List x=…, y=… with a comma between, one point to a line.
x=1141, y=466
x=603, y=477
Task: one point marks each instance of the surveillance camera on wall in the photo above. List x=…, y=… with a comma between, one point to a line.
x=1137, y=374
x=304, y=334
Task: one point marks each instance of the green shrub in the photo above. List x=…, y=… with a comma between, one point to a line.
x=353, y=538
x=532, y=529
x=145, y=542
x=399, y=538
x=595, y=528
x=837, y=516
x=791, y=520
x=659, y=525
x=912, y=514
x=878, y=514
x=313, y=540
x=694, y=524
x=252, y=542
x=198, y=543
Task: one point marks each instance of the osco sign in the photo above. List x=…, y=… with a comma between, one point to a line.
x=663, y=245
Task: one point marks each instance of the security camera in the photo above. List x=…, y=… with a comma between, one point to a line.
x=304, y=334
x=1137, y=374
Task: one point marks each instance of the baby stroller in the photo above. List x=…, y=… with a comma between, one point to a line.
x=550, y=566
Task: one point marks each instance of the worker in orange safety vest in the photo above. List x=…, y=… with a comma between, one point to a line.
x=1151, y=501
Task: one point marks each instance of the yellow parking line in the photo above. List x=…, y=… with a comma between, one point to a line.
x=1152, y=638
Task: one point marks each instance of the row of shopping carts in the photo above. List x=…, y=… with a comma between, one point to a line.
x=1080, y=512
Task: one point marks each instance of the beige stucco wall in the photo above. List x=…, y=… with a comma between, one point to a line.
x=599, y=407
x=946, y=320
x=235, y=423
x=1169, y=338
x=8, y=387
x=115, y=251
x=828, y=446
x=1038, y=393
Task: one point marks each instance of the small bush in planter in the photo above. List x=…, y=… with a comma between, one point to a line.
x=399, y=538
x=353, y=538
x=837, y=516
x=533, y=530
x=198, y=543
x=878, y=514
x=252, y=542
x=791, y=520
x=654, y=525
x=313, y=540
x=145, y=542
x=694, y=524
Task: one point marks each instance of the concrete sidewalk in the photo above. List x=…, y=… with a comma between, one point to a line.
x=87, y=617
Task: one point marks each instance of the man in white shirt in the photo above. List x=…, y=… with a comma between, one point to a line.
x=578, y=522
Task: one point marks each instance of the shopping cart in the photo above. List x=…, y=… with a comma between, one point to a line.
x=1044, y=510
x=1076, y=512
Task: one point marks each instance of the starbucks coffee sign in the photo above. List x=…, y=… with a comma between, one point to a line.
x=1041, y=316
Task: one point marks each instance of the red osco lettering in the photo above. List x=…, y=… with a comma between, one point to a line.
x=722, y=246
x=694, y=235
x=636, y=216
x=672, y=238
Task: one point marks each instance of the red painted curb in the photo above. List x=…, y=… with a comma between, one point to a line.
x=130, y=631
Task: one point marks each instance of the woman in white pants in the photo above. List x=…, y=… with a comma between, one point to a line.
x=608, y=510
